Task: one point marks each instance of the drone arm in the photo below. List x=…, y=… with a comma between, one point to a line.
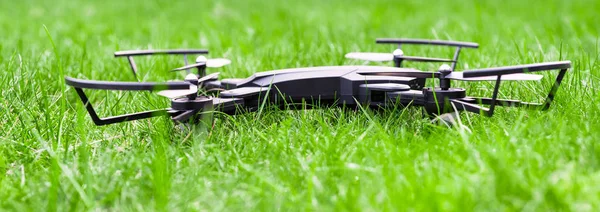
x=563, y=66
x=79, y=85
x=469, y=103
x=131, y=53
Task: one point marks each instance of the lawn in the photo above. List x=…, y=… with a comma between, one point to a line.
x=52, y=157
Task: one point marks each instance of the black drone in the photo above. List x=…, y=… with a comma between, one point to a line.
x=344, y=86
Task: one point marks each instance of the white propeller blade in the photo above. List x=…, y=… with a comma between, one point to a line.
x=172, y=94
x=213, y=76
x=211, y=63
x=217, y=62
x=214, y=62
x=371, y=56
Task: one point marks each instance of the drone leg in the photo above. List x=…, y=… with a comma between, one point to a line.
x=456, y=55
x=517, y=103
x=494, y=96
x=133, y=66
x=554, y=88
x=116, y=119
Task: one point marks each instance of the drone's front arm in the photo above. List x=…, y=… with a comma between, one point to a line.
x=80, y=84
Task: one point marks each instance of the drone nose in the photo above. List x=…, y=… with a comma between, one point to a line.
x=398, y=52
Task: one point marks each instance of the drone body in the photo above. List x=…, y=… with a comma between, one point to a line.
x=344, y=86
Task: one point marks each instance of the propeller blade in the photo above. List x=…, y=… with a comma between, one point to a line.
x=213, y=76
x=217, y=62
x=189, y=66
x=211, y=63
x=507, y=77
x=370, y=56
x=171, y=94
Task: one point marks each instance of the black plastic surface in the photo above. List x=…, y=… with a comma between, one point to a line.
x=130, y=86
x=155, y=52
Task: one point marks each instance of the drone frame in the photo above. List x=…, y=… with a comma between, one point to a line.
x=377, y=86
x=190, y=105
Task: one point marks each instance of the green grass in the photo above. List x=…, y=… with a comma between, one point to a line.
x=52, y=157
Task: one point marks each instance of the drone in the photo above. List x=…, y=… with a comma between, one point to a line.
x=344, y=86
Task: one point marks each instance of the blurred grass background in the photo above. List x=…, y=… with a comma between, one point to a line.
x=52, y=157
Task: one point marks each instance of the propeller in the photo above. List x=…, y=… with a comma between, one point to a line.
x=194, y=82
x=217, y=62
x=203, y=61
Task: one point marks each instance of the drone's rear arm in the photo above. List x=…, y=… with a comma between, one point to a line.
x=466, y=104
